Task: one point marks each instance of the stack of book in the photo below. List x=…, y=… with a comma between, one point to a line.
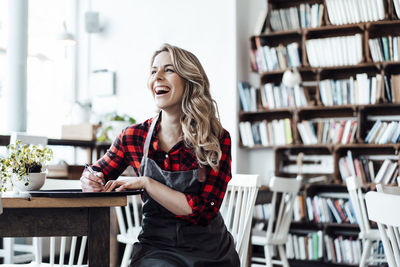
x=361, y=90
x=276, y=58
x=329, y=210
x=354, y=11
x=392, y=88
x=364, y=167
x=385, y=48
x=384, y=132
x=262, y=211
x=302, y=16
x=335, y=51
x=265, y=133
x=248, y=96
x=282, y=97
x=330, y=131
x=343, y=250
x=305, y=247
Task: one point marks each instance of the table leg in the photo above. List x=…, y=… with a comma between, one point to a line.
x=99, y=237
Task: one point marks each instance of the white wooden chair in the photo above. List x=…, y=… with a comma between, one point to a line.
x=279, y=222
x=387, y=189
x=13, y=252
x=368, y=235
x=379, y=206
x=129, y=224
x=237, y=210
x=62, y=251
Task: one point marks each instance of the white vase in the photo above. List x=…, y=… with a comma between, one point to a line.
x=35, y=181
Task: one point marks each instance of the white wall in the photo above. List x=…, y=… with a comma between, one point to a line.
x=216, y=31
x=133, y=30
x=259, y=161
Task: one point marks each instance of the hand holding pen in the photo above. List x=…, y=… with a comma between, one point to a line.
x=92, y=181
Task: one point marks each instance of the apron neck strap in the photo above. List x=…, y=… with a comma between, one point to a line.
x=201, y=170
x=149, y=135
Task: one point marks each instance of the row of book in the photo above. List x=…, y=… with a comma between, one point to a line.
x=302, y=16
x=329, y=131
x=354, y=11
x=385, y=48
x=262, y=211
x=339, y=249
x=384, y=132
x=270, y=96
x=348, y=250
x=362, y=166
x=248, y=96
x=281, y=96
x=323, y=210
x=276, y=58
x=305, y=247
x=334, y=51
x=265, y=133
x=392, y=88
x=359, y=90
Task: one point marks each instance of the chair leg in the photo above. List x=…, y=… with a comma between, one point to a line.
x=127, y=255
x=268, y=255
x=366, y=253
x=8, y=243
x=282, y=254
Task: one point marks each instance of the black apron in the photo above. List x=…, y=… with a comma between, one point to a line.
x=169, y=241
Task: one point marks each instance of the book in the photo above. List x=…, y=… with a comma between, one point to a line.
x=382, y=170
x=396, y=88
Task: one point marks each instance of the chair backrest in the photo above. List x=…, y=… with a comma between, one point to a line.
x=379, y=206
x=129, y=216
x=28, y=139
x=237, y=210
x=387, y=189
x=58, y=248
x=354, y=185
x=286, y=190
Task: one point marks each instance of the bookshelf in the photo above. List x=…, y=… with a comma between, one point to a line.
x=350, y=68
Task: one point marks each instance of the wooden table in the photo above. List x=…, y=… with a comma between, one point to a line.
x=43, y=216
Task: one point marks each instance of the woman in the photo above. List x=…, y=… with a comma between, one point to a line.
x=183, y=157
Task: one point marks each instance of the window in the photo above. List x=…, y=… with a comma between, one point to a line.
x=50, y=65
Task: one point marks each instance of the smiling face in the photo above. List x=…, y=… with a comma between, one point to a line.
x=166, y=85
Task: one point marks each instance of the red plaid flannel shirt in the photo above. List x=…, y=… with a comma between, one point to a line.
x=127, y=150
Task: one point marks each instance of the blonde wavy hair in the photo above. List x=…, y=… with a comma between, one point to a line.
x=200, y=125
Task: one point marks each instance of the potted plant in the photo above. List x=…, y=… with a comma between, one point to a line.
x=24, y=166
x=112, y=126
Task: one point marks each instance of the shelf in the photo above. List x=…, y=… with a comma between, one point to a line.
x=325, y=157
x=255, y=147
x=281, y=113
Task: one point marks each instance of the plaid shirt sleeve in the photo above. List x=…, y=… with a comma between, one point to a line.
x=112, y=164
x=127, y=149
x=205, y=206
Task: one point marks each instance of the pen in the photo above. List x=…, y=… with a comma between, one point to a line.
x=91, y=171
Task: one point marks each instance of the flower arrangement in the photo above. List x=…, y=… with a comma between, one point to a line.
x=21, y=160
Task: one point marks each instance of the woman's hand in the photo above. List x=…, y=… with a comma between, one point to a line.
x=123, y=183
x=92, y=183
